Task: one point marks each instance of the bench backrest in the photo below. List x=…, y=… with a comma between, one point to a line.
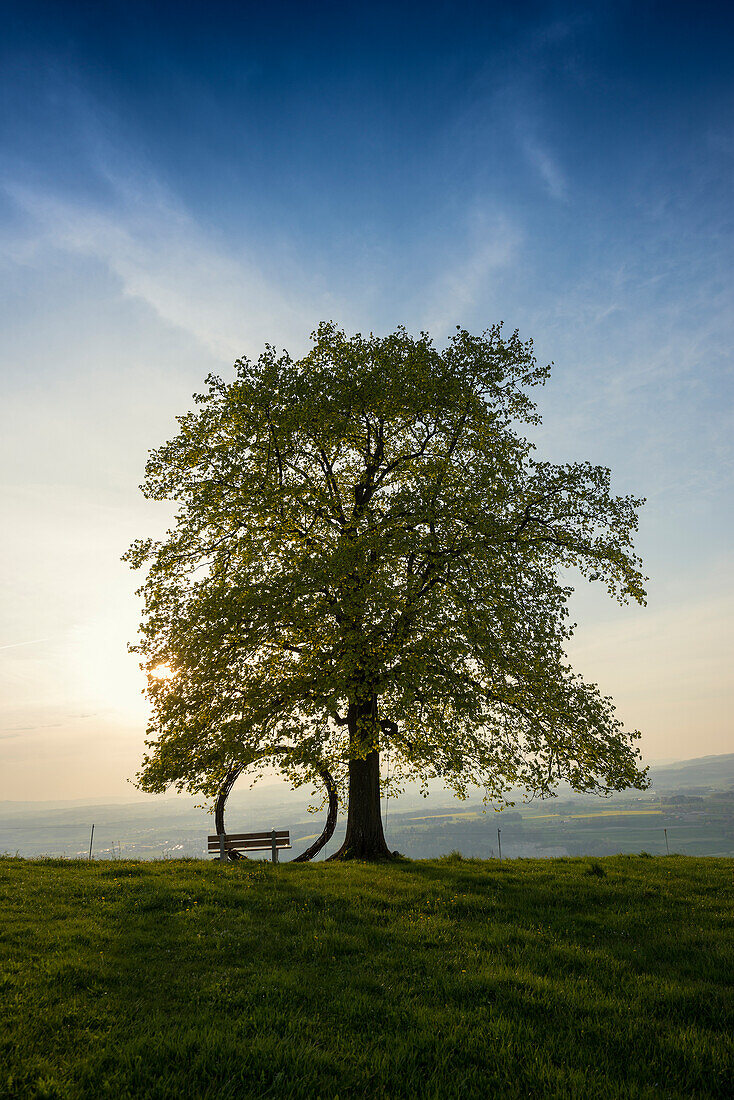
x=251, y=842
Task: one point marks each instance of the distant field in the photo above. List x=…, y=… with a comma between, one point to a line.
x=439, y=979
x=538, y=817
x=694, y=826
x=597, y=813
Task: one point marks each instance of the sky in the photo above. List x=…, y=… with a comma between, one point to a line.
x=181, y=183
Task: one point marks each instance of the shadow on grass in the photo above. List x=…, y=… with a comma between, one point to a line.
x=428, y=979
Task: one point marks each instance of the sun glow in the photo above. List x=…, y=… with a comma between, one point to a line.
x=161, y=672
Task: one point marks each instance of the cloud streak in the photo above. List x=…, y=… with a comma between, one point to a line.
x=162, y=258
x=547, y=168
x=490, y=247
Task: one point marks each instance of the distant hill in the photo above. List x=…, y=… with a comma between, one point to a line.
x=705, y=772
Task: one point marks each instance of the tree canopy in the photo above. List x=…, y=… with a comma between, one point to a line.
x=367, y=554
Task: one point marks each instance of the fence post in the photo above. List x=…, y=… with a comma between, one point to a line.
x=499, y=843
x=274, y=846
x=91, y=841
x=667, y=849
x=222, y=849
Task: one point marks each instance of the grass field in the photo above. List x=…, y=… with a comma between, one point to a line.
x=451, y=978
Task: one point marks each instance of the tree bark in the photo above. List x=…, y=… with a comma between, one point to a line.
x=364, y=838
x=330, y=825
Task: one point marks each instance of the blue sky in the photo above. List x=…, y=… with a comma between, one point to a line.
x=180, y=183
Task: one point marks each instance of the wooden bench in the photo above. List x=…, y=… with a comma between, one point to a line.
x=274, y=841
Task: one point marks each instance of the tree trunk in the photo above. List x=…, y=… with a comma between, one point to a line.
x=364, y=838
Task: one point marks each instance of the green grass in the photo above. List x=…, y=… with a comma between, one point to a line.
x=452, y=978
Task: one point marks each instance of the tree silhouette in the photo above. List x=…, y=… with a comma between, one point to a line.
x=366, y=553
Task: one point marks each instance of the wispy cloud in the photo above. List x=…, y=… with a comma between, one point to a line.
x=510, y=109
x=546, y=166
x=490, y=246
x=163, y=258
x=125, y=218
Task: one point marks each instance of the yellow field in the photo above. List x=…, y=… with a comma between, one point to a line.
x=538, y=817
x=598, y=813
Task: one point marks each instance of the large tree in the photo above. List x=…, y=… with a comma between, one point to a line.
x=366, y=554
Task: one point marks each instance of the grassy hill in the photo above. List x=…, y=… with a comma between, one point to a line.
x=452, y=978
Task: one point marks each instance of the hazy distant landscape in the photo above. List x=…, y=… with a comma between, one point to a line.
x=692, y=799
